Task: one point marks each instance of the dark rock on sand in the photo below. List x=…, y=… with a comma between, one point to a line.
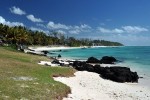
x=108, y=60
x=81, y=66
x=117, y=74
x=45, y=52
x=55, y=61
x=60, y=62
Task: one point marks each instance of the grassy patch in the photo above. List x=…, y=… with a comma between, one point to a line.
x=15, y=67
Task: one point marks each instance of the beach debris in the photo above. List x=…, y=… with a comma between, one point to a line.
x=60, y=62
x=47, y=63
x=54, y=63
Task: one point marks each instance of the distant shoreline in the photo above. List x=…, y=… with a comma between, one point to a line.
x=41, y=48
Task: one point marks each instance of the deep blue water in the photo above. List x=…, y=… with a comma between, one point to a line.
x=135, y=57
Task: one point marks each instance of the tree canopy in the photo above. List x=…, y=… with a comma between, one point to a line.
x=24, y=36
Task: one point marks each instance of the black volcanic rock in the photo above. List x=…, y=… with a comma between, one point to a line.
x=55, y=61
x=117, y=73
x=92, y=60
x=45, y=52
x=79, y=65
x=108, y=60
x=59, y=56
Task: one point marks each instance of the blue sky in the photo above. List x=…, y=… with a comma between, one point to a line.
x=125, y=21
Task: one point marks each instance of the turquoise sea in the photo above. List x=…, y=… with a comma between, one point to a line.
x=135, y=57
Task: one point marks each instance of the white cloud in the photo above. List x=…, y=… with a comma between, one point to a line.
x=33, y=19
x=124, y=29
x=11, y=24
x=46, y=31
x=104, y=30
x=69, y=29
x=16, y=10
x=130, y=39
x=14, y=24
x=52, y=25
x=84, y=26
x=134, y=29
x=79, y=29
x=2, y=20
x=74, y=31
x=38, y=29
x=61, y=31
x=41, y=25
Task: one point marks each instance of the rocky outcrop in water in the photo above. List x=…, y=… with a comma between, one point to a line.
x=104, y=60
x=92, y=60
x=108, y=60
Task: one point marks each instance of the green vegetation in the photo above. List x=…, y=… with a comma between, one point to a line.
x=20, y=75
x=107, y=43
x=22, y=78
x=20, y=35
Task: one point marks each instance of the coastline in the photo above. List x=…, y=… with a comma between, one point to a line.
x=127, y=91
x=41, y=48
x=90, y=86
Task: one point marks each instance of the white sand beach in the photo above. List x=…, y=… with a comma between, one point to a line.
x=52, y=48
x=90, y=86
x=41, y=48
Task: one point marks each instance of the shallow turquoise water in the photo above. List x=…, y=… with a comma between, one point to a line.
x=135, y=57
x=135, y=54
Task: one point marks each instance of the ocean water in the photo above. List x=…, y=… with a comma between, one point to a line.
x=135, y=57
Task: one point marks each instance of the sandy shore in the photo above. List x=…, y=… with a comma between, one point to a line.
x=52, y=48
x=90, y=86
x=61, y=47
